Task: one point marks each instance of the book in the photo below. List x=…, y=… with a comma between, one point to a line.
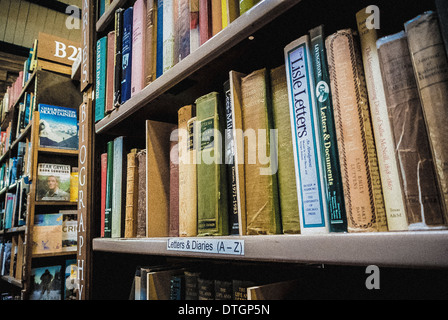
x=158, y=283
x=138, y=46
x=188, y=223
x=387, y=161
x=119, y=186
x=126, y=63
x=47, y=233
x=288, y=202
x=195, y=41
x=69, y=233
x=174, y=184
x=238, y=140
x=168, y=35
x=109, y=188
x=216, y=12
x=211, y=174
x=74, y=179
x=71, y=283
x=177, y=287
x=260, y=155
x=157, y=177
x=430, y=63
x=230, y=11
x=245, y=5
x=118, y=55
x=100, y=79
x=9, y=210
x=421, y=194
x=191, y=284
x=130, y=230
x=329, y=148
x=58, y=127
x=305, y=138
x=46, y=283
x=357, y=154
x=183, y=29
x=205, y=21
x=442, y=13
x=150, y=41
x=103, y=190
x=223, y=289
x=159, y=44
x=53, y=182
x=284, y=290
x=109, y=105
x=141, y=198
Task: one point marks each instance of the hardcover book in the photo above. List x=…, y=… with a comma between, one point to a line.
x=53, y=182
x=195, y=40
x=205, y=21
x=168, y=35
x=100, y=80
x=421, y=194
x=431, y=72
x=211, y=174
x=183, y=29
x=131, y=195
x=245, y=5
x=119, y=186
x=174, y=184
x=47, y=233
x=328, y=140
x=118, y=55
x=150, y=41
x=305, y=138
x=110, y=71
x=126, y=63
x=46, y=283
x=103, y=190
x=58, y=127
x=69, y=235
x=387, y=161
x=141, y=199
x=109, y=189
x=138, y=47
x=216, y=12
x=159, y=44
x=359, y=164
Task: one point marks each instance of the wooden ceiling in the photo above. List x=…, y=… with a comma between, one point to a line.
x=20, y=23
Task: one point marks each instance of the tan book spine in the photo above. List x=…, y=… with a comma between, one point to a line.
x=417, y=172
x=150, y=42
x=384, y=142
x=359, y=164
x=130, y=230
x=188, y=223
x=141, y=198
x=431, y=72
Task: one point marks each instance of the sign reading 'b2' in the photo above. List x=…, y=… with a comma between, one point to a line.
x=57, y=49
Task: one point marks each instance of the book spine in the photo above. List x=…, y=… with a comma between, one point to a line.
x=328, y=139
x=150, y=41
x=130, y=227
x=109, y=186
x=183, y=29
x=126, y=64
x=159, y=49
x=245, y=5
x=141, y=200
x=357, y=154
x=118, y=55
x=260, y=172
x=289, y=208
x=230, y=162
x=119, y=188
x=224, y=11
x=431, y=72
x=216, y=12
x=205, y=21
x=103, y=189
x=110, y=71
x=211, y=178
x=188, y=223
x=387, y=162
x=174, y=185
x=168, y=35
x=305, y=138
x=138, y=47
x=416, y=166
x=100, y=83
x=195, y=41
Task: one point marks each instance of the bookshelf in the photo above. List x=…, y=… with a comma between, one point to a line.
x=254, y=40
x=48, y=88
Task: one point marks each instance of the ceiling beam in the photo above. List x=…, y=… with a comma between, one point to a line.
x=53, y=5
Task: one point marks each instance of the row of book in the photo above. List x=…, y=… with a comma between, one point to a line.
x=11, y=257
x=149, y=38
x=14, y=206
x=16, y=168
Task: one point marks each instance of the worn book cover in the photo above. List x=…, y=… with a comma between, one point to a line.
x=289, y=208
x=305, y=138
x=58, y=127
x=387, y=161
x=211, y=171
x=130, y=230
x=431, y=72
x=141, y=199
x=150, y=41
x=357, y=153
x=47, y=233
x=53, y=182
x=416, y=167
x=329, y=146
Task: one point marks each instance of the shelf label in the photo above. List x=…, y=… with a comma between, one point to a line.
x=204, y=245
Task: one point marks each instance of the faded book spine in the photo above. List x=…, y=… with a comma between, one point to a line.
x=195, y=41
x=174, y=185
x=110, y=72
x=260, y=156
x=130, y=228
x=168, y=35
x=141, y=199
x=305, y=138
x=183, y=30
x=150, y=42
x=289, y=209
x=211, y=177
x=109, y=186
x=119, y=187
x=138, y=47
x=387, y=162
x=118, y=55
x=328, y=139
x=431, y=72
x=417, y=173
x=357, y=154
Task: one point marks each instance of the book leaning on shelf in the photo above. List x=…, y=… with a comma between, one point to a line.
x=53, y=182
x=58, y=127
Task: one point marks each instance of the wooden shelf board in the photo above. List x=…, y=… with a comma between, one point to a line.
x=58, y=151
x=13, y=281
x=54, y=254
x=55, y=203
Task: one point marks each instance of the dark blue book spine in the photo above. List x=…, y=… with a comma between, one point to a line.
x=159, y=61
x=126, y=62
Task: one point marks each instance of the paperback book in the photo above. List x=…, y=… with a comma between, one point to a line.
x=53, y=182
x=58, y=127
x=46, y=283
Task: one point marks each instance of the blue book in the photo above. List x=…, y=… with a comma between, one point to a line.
x=58, y=127
x=101, y=7
x=100, y=82
x=159, y=61
x=26, y=120
x=9, y=209
x=126, y=62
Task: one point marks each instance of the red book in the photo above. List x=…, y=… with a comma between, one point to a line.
x=205, y=20
x=103, y=189
x=110, y=71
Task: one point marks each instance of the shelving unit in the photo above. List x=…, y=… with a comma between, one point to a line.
x=254, y=40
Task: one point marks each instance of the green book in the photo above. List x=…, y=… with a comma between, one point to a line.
x=327, y=127
x=246, y=5
x=119, y=187
x=289, y=208
x=211, y=173
x=109, y=177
